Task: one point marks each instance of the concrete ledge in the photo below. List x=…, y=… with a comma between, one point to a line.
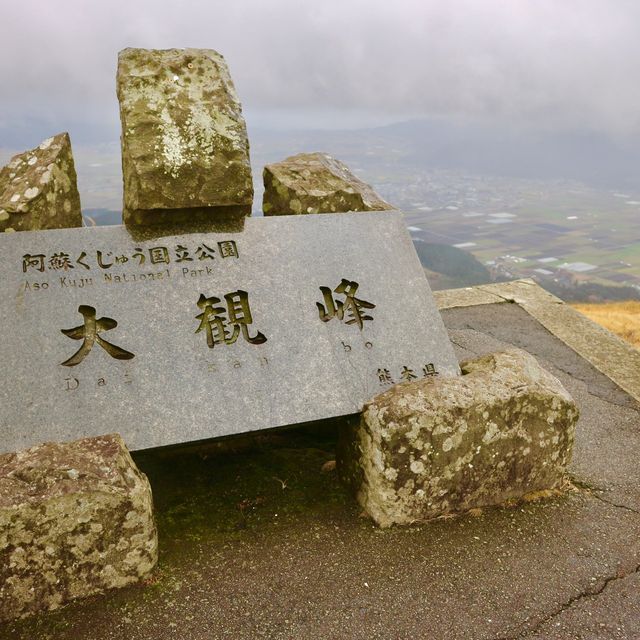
x=75, y=519
x=608, y=353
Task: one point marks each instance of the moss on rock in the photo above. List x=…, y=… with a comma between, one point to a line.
x=184, y=140
x=39, y=190
x=316, y=183
x=425, y=448
x=75, y=519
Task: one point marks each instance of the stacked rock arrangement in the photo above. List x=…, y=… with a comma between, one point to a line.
x=421, y=449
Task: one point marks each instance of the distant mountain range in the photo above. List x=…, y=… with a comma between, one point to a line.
x=597, y=159
x=593, y=158
x=398, y=159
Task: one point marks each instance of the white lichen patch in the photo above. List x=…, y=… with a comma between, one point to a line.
x=28, y=186
x=172, y=148
x=452, y=441
x=390, y=474
x=417, y=467
x=492, y=433
x=101, y=522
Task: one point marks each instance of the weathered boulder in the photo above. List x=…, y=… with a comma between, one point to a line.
x=436, y=445
x=315, y=183
x=184, y=141
x=75, y=519
x=39, y=190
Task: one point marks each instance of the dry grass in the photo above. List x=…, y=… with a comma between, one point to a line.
x=621, y=318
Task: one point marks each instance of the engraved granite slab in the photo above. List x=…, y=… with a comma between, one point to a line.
x=195, y=336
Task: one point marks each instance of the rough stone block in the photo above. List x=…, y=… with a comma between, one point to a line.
x=75, y=519
x=315, y=183
x=184, y=141
x=439, y=445
x=39, y=190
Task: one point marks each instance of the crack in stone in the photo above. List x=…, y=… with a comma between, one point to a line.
x=573, y=374
x=583, y=595
x=496, y=295
x=461, y=346
x=594, y=590
x=576, y=376
x=615, y=504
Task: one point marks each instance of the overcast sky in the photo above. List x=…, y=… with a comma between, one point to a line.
x=545, y=63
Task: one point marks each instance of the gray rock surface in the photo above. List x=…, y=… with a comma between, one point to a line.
x=38, y=188
x=439, y=445
x=185, y=150
x=315, y=183
x=75, y=519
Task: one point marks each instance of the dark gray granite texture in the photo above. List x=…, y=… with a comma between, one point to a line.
x=183, y=338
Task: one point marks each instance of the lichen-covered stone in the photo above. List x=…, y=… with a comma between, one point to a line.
x=75, y=519
x=39, y=190
x=184, y=140
x=315, y=183
x=438, y=445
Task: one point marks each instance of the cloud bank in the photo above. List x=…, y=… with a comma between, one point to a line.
x=553, y=64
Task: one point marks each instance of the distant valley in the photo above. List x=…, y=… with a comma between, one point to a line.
x=564, y=210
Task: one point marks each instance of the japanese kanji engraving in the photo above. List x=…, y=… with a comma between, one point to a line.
x=89, y=334
x=351, y=310
x=105, y=260
x=223, y=325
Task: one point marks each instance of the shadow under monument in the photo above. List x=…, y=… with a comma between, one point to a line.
x=156, y=223
x=242, y=482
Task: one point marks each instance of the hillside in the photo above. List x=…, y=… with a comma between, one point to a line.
x=621, y=318
x=455, y=268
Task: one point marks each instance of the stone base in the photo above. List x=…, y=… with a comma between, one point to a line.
x=75, y=519
x=186, y=220
x=437, y=445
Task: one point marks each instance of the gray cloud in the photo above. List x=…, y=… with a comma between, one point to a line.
x=547, y=63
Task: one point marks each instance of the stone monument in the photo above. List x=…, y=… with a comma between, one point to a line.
x=233, y=329
x=183, y=338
